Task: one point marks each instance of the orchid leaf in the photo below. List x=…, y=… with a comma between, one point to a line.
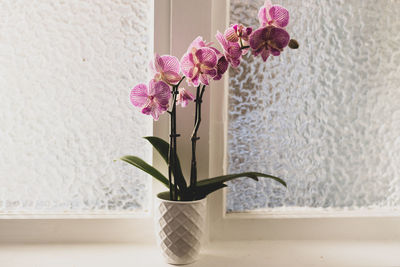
x=203, y=191
x=163, y=148
x=225, y=178
x=141, y=164
x=199, y=192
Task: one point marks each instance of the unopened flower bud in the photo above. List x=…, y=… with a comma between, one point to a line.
x=293, y=44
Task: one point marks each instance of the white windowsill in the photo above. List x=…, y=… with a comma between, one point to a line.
x=232, y=254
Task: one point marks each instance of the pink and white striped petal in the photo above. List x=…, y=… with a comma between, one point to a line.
x=207, y=57
x=161, y=92
x=195, y=81
x=170, y=63
x=139, y=95
x=203, y=79
x=184, y=97
x=152, y=109
x=279, y=16
x=158, y=63
x=187, y=64
x=171, y=77
x=231, y=35
x=262, y=16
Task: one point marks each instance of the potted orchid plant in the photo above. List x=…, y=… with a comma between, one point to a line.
x=184, y=202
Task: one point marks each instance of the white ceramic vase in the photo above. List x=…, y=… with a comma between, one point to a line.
x=179, y=227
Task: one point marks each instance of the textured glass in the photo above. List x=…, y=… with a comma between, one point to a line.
x=325, y=117
x=66, y=69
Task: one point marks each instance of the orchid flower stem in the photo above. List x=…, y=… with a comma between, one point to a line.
x=194, y=138
x=173, y=190
x=172, y=153
x=179, y=83
x=244, y=47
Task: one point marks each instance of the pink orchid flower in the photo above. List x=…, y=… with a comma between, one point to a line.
x=166, y=68
x=153, y=99
x=239, y=33
x=199, y=63
x=273, y=15
x=184, y=97
x=232, y=51
x=222, y=63
x=269, y=40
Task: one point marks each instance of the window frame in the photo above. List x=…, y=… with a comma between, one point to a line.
x=171, y=36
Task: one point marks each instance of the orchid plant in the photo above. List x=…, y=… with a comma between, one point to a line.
x=201, y=64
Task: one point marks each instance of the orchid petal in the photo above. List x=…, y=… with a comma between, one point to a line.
x=279, y=16
x=230, y=35
x=234, y=62
x=235, y=51
x=265, y=55
x=207, y=57
x=217, y=52
x=257, y=38
x=280, y=37
x=139, y=95
x=152, y=109
x=222, y=41
x=210, y=72
x=184, y=97
x=171, y=77
x=204, y=79
x=197, y=43
x=158, y=63
x=161, y=92
x=262, y=16
x=187, y=64
x=195, y=81
x=170, y=63
x=222, y=66
x=274, y=52
x=267, y=4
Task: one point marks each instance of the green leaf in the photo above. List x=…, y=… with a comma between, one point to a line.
x=252, y=175
x=163, y=148
x=203, y=191
x=141, y=164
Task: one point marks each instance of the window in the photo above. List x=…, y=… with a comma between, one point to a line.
x=174, y=29
x=65, y=76
x=325, y=117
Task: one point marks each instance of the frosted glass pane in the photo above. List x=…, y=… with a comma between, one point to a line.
x=66, y=68
x=325, y=117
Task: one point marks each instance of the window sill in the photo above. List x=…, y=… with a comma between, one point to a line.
x=237, y=253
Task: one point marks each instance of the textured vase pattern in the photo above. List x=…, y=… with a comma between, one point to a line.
x=180, y=229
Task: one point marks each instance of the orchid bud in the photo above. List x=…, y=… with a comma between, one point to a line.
x=293, y=44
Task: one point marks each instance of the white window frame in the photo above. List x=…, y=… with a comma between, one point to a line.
x=176, y=23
